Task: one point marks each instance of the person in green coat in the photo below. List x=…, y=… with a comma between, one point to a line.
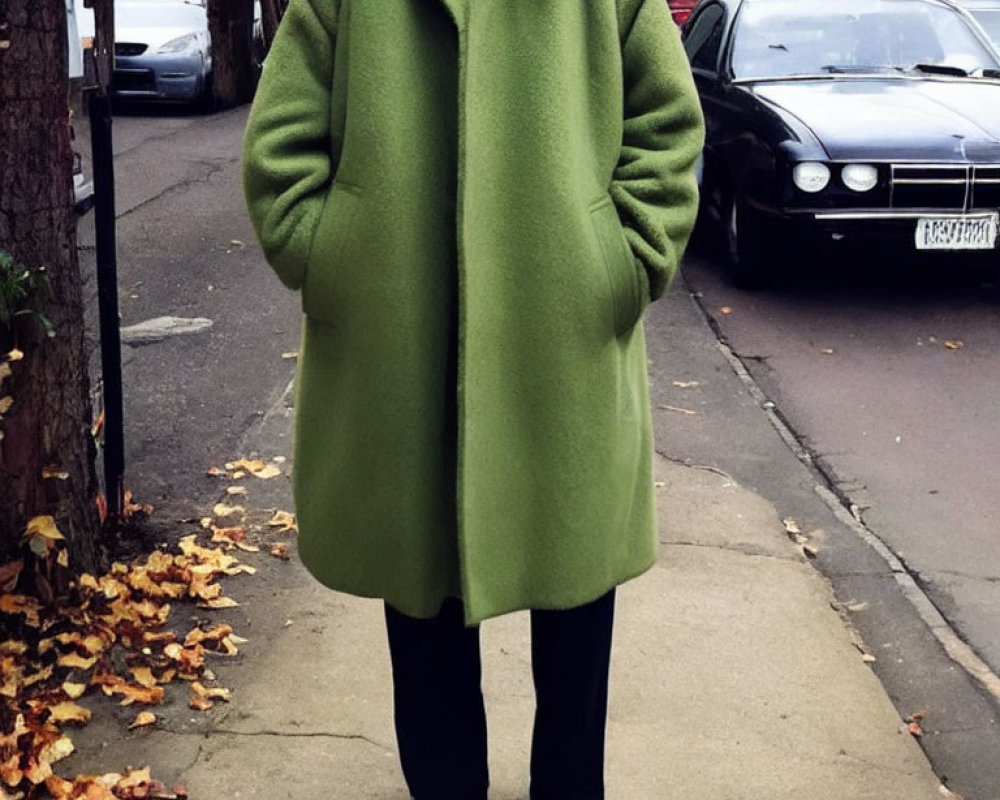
x=477, y=199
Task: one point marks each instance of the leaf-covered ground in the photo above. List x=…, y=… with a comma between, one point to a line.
x=112, y=635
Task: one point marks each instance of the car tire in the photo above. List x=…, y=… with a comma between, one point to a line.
x=753, y=260
x=208, y=101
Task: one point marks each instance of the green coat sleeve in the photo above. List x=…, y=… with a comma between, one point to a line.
x=288, y=148
x=654, y=186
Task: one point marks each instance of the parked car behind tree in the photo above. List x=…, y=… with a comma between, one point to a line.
x=163, y=51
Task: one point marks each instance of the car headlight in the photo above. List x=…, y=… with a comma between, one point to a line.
x=859, y=177
x=811, y=176
x=186, y=42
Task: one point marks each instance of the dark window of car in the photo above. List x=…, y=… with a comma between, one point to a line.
x=704, y=36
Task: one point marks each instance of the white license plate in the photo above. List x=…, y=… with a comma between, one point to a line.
x=972, y=232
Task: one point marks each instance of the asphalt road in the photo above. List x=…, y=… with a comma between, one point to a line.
x=891, y=380
x=186, y=251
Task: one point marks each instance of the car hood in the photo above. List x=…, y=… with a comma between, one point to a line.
x=151, y=37
x=895, y=118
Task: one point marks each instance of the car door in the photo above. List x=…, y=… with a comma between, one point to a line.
x=703, y=37
x=741, y=131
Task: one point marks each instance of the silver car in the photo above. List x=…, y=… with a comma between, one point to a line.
x=162, y=50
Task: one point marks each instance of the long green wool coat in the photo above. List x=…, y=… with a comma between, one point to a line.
x=477, y=199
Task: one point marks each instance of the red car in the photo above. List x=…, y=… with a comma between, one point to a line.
x=681, y=9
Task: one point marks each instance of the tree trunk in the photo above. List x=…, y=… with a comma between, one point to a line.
x=230, y=24
x=46, y=449
x=271, y=12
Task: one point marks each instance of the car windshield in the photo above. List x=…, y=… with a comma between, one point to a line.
x=989, y=18
x=161, y=14
x=779, y=38
x=172, y=14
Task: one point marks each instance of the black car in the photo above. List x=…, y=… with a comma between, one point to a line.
x=846, y=119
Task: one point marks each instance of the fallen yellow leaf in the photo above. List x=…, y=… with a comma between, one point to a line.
x=74, y=691
x=143, y=720
x=280, y=550
x=43, y=526
x=20, y=604
x=270, y=471
x=76, y=661
x=283, y=520
x=56, y=751
x=228, y=535
x=133, y=780
x=143, y=676
x=225, y=510
x=219, y=602
x=68, y=712
x=216, y=693
x=199, y=703
x=139, y=694
x=255, y=467
x=214, y=634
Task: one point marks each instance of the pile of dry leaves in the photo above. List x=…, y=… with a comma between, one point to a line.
x=108, y=635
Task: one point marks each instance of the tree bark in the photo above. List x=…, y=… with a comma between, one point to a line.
x=271, y=12
x=46, y=450
x=230, y=24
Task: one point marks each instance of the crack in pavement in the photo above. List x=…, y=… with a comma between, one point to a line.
x=213, y=168
x=194, y=760
x=741, y=549
x=287, y=735
x=191, y=123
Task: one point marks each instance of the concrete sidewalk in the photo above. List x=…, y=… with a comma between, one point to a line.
x=733, y=678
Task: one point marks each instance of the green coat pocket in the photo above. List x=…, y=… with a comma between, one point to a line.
x=330, y=253
x=621, y=266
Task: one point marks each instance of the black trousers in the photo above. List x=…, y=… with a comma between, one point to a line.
x=441, y=718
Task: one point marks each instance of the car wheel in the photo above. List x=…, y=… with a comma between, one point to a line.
x=753, y=261
x=208, y=101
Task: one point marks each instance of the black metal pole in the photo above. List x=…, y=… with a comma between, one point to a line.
x=107, y=299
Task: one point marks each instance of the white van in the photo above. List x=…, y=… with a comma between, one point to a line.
x=83, y=188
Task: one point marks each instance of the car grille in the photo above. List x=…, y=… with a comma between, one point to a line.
x=129, y=49
x=133, y=80
x=957, y=187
